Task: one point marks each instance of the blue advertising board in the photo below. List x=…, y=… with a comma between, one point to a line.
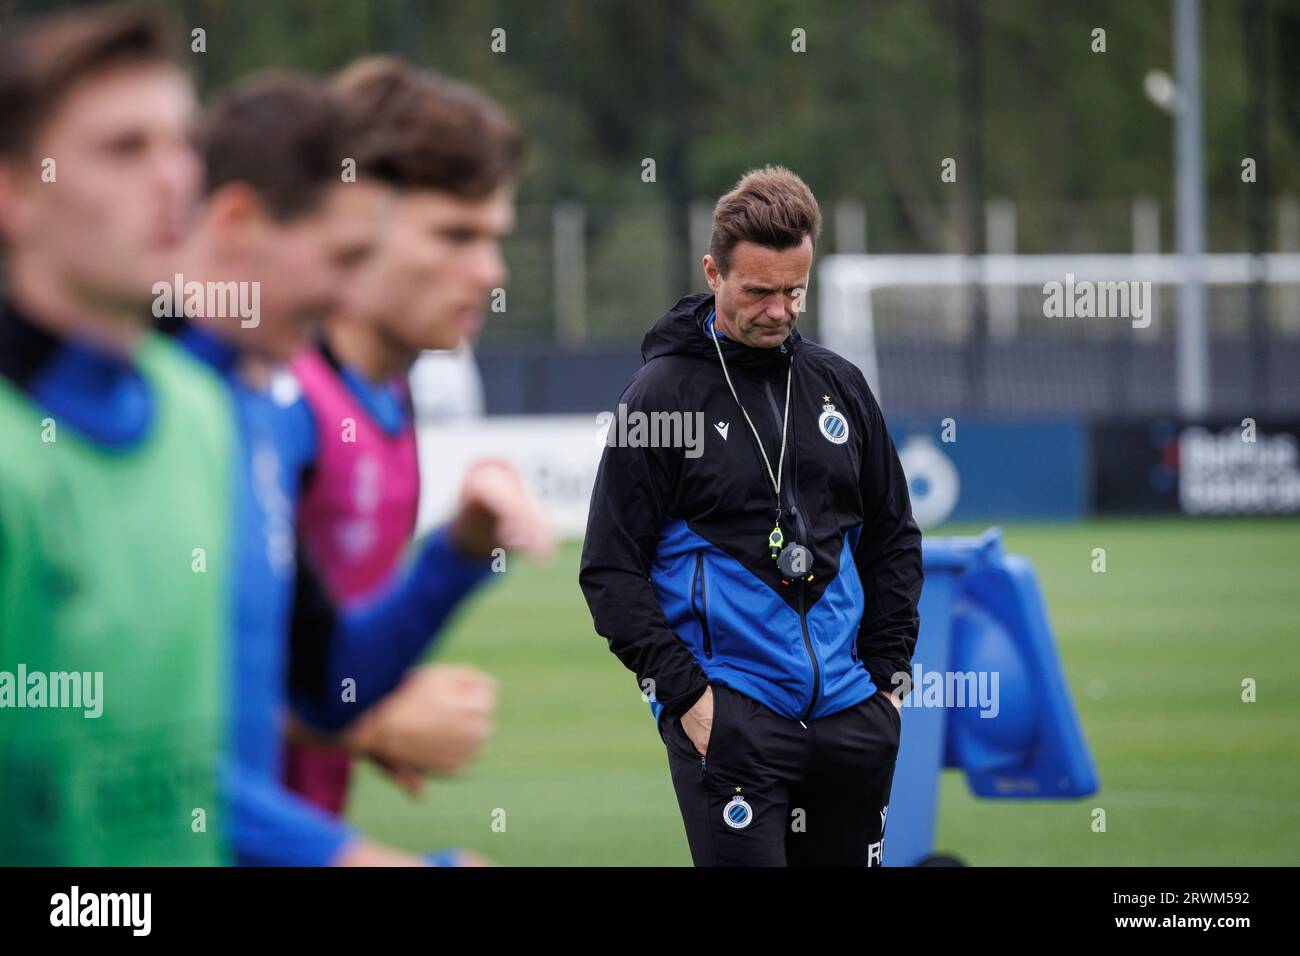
x=984, y=469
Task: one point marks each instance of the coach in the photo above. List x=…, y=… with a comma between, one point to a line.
x=765, y=592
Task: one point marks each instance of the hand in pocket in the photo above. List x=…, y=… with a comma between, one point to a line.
x=697, y=722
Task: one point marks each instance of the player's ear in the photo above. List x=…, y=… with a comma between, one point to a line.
x=237, y=215
x=15, y=213
x=7, y=211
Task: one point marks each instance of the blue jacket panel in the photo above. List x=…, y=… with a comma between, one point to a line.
x=745, y=636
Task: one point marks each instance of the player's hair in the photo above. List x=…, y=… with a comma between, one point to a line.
x=282, y=133
x=42, y=60
x=421, y=130
x=771, y=207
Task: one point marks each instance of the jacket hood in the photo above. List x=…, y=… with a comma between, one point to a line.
x=681, y=331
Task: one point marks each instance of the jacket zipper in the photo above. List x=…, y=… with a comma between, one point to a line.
x=802, y=530
x=807, y=643
x=702, y=614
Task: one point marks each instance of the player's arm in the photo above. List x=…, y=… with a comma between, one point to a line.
x=272, y=827
x=345, y=658
x=435, y=721
x=269, y=826
x=633, y=491
x=365, y=646
x=888, y=555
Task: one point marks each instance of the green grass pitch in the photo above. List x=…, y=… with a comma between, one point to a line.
x=1155, y=651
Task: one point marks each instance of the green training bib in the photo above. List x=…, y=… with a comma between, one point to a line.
x=114, y=575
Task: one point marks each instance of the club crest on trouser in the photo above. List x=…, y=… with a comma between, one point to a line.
x=738, y=814
x=833, y=425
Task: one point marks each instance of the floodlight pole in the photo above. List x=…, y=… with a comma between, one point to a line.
x=1193, y=337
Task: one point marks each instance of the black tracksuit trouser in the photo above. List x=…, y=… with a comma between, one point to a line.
x=776, y=792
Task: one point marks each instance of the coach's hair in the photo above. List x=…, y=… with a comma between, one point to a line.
x=42, y=60
x=420, y=130
x=282, y=133
x=771, y=207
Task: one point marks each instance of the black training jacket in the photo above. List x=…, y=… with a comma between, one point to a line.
x=676, y=567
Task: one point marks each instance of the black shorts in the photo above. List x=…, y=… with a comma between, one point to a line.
x=774, y=792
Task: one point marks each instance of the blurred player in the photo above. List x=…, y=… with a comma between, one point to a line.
x=452, y=156
x=280, y=219
x=114, y=481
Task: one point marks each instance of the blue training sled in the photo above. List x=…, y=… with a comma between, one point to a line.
x=988, y=695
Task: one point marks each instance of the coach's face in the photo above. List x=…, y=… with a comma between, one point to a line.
x=761, y=296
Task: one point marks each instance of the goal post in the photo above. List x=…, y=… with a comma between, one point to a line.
x=1045, y=309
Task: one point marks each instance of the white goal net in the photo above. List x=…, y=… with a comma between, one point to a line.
x=1077, y=333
